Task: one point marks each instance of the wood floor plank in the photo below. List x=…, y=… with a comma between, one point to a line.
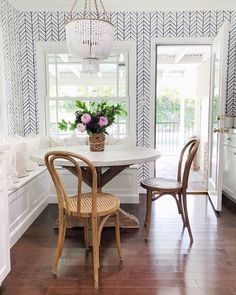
x=165, y=265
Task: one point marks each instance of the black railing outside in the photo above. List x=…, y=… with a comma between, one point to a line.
x=168, y=135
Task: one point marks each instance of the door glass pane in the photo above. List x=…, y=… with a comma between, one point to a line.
x=215, y=113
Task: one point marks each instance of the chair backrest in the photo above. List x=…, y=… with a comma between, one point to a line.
x=72, y=160
x=183, y=173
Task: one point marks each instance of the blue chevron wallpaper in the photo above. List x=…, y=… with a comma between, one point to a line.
x=138, y=26
x=9, y=20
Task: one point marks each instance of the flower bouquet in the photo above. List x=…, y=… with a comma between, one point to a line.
x=95, y=118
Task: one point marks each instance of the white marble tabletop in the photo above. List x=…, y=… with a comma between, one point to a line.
x=112, y=156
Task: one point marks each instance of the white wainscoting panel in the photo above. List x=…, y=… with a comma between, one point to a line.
x=26, y=203
x=4, y=232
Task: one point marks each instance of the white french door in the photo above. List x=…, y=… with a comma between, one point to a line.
x=217, y=111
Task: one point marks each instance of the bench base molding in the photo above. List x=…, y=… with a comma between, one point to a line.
x=26, y=203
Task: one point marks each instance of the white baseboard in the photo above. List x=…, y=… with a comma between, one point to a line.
x=142, y=190
x=18, y=231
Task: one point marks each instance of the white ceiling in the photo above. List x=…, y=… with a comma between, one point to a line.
x=132, y=5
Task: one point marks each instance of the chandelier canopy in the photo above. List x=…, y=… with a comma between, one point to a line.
x=90, y=37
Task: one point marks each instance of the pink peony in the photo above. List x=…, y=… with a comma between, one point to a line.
x=81, y=127
x=85, y=118
x=102, y=121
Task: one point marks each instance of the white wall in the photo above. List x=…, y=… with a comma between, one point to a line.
x=133, y=5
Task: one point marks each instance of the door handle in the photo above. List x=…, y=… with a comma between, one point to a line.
x=221, y=130
x=226, y=130
x=217, y=130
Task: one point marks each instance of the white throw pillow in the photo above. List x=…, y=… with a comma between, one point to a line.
x=21, y=159
x=32, y=146
x=44, y=142
x=56, y=141
x=75, y=140
x=12, y=178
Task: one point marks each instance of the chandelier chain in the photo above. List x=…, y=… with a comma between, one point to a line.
x=88, y=8
x=73, y=6
x=96, y=6
x=85, y=7
x=104, y=11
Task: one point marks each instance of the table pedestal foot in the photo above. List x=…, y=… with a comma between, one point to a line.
x=128, y=220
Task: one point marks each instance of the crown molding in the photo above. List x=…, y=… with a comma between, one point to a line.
x=131, y=5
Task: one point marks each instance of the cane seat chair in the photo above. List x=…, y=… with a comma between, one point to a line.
x=158, y=187
x=93, y=208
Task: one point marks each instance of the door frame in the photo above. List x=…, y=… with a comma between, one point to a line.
x=215, y=196
x=166, y=41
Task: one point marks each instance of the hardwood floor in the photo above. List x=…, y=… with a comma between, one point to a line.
x=166, y=265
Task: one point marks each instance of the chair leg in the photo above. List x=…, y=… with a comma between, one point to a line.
x=86, y=228
x=148, y=213
x=147, y=206
x=187, y=223
x=60, y=242
x=181, y=209
x=95, y=252
x=64, y=235
x=117, y=228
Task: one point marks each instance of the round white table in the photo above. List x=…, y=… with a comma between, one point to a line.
x=113, y=155
x=115, y=158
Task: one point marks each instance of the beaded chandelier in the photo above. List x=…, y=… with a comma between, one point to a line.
x=90, y=37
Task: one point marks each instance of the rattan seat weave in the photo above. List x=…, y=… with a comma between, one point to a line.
x=106, y=204
x=162, y=184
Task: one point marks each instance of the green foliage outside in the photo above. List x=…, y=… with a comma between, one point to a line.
x=168, y=107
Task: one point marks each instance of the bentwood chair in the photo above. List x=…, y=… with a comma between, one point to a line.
x=158, y=187
x=93, y=207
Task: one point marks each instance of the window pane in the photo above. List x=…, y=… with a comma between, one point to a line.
x=70, y=83
x=53, y=111
x=53, y=129
x=66, y=110
x=106, y=84
x=122, y=80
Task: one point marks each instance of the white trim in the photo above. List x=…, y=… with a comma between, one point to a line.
x=60, y=47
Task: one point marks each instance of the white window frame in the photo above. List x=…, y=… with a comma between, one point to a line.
x=44, y=48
